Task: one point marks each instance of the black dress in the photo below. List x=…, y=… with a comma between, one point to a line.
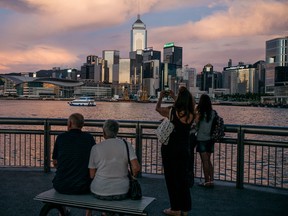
x=175, y=157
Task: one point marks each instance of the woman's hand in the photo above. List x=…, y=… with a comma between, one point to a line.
x=163, y=111
x=162, y=94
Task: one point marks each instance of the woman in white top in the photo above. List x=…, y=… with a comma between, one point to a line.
x=205, y=145
x=108, y=165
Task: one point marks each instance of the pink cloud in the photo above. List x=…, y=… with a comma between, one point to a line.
x=50, y=29
x=239, y=32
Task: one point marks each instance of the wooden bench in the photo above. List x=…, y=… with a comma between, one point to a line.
x=54, y=200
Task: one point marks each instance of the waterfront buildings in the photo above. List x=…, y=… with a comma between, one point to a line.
x=276, y=80
x=260, y=67
x=88, y=69
x=187, y=77
x=148, y=70
x=26, y=86
x=276, y=74
x=241, y=79
x=209, y=79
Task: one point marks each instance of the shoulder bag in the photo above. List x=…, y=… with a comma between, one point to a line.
x=217, y=128
x=165, y=129
x=135, y=192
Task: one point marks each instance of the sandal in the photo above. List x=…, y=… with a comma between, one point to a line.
x=171, y=212
x=206, y=184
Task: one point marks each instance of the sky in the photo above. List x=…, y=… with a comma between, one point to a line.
x=42, y=34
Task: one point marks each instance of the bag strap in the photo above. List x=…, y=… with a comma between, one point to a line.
x=170, y=117
x=131, y=172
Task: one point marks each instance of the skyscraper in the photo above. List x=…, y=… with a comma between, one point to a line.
x=112, y=57
x=261, y=70
x=276, y=58
x=173, y=54
x=172, y=60
x=88, y=69
x=138, y=35
x=207, y=78
x=151, y=68
x=124, y=70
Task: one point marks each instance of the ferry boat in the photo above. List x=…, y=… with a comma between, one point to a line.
x=83, y=101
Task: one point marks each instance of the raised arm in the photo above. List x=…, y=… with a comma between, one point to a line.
x=164, y=111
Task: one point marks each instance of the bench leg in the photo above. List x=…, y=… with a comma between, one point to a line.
x=49, y=206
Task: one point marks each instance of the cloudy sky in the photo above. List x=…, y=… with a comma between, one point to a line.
x=42, y=34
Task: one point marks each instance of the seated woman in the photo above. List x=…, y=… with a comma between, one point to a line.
x=108, y=165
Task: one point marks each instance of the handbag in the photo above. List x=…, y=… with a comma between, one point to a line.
x=135, y=192
x=164, y=130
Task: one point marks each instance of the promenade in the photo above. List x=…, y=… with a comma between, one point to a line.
x=18, y=188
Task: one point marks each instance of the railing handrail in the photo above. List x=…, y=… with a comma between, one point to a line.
x=240, y=132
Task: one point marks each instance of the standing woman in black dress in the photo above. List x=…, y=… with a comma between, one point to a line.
x=175, y=155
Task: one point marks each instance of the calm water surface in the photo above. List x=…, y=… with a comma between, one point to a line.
x=136, y=111
x=146, y=112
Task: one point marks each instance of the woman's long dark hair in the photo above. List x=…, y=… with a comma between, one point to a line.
x=205, y=107
x=184, y=103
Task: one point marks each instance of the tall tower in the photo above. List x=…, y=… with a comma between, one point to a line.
x=138, y=35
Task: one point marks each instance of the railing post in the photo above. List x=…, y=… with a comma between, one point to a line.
x=240, y=158
x=139, y=144
x=47, y=141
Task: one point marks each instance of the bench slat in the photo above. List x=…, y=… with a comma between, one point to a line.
x=89, y=201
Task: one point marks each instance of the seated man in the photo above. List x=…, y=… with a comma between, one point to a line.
x=71, y=156
x=108, y=165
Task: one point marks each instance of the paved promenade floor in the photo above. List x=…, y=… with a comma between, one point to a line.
x=18, y=188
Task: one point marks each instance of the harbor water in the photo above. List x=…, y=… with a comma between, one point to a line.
x=241, y=115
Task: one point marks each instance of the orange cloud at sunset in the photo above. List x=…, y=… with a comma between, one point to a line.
x=41, y=55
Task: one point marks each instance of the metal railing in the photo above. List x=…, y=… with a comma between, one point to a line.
x=255, y=155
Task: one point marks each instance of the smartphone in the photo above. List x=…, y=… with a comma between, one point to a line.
x=167, y=91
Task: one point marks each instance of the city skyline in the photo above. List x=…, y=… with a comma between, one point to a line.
x=42, y=34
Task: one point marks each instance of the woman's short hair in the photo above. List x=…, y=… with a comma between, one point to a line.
x=111, y=128
x=77, y=120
